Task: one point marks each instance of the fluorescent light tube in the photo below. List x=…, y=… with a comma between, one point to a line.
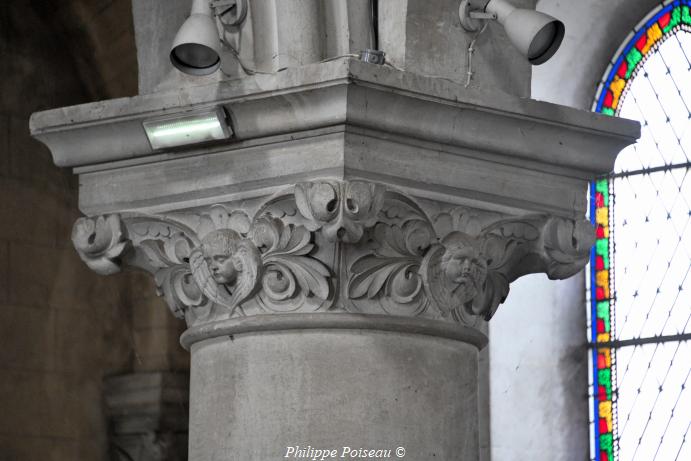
x=183, y=130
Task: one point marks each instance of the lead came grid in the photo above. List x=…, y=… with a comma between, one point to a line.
x=641, y=270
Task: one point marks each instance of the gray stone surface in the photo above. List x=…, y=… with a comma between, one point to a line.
x=255, y=395
x=155, y=24
x=420, y=36
x=147, y=416
x=426, y=38
x=443, y=146
x=336, y=247
x=314, y=260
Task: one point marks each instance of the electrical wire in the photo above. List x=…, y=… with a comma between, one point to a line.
x=349, y=55
x=471, y=50
x=251, y=71
x=392, y=65
x=247, y=70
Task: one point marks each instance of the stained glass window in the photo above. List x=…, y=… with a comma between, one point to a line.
x=640, y=284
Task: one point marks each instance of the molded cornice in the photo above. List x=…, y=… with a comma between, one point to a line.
x=346, y=92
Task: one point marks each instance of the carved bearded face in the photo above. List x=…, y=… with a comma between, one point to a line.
x=464, y=271
x=219, y=249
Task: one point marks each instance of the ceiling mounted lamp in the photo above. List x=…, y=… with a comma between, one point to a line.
x=536, y=35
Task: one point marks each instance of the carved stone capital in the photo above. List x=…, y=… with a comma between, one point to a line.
x=331, y=246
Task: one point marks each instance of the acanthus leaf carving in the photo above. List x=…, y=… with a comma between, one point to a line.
x=465, y=275
x=391, y=272
x=204, y=266
x=342, y=210
x=163, y=248
x=337, y=246
x=100, y=242
x=475, y=271
x=179, y=289
x=289, y=270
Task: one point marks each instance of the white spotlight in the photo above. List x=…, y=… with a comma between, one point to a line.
x=536, y=35
x=197, y=45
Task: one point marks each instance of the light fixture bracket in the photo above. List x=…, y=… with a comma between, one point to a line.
x=482, y=15
x=230, y=12
x=473, y=16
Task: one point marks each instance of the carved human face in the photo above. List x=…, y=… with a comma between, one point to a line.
x=219, y=250
x=222, y=268
x=464, y=271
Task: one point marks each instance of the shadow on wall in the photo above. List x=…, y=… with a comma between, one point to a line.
x=62, y=328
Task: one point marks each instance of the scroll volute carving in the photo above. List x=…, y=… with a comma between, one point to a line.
x=292, y=278
x=263, y=266
x=464, y=274
x=476, y=271
x=100, y=242
x=567, y=246
x=335, y=246
x=212, y=264
x=391, y=272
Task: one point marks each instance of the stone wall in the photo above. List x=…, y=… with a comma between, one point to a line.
x=62, y=328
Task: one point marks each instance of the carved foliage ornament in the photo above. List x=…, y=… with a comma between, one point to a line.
x=342, y=210
x=210, y=266
x=336, y=246
x=100, y=242
x=466, y=275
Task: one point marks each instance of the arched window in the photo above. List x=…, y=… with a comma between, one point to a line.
x=640, y=284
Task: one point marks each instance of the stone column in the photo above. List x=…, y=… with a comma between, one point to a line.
x=334, y=313
x=337, y=259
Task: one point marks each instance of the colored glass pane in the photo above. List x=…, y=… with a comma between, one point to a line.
x=633, y=58
x=640, y=44
x=602, y=186
x=604, y=377
x=599, y=263
x=603, y=313
x=664, y=20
